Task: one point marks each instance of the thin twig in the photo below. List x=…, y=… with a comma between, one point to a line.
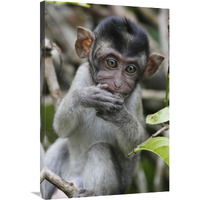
x=67, y=187
x=51, y=77
x=166, y=127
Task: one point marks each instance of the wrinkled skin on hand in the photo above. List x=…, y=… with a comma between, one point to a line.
x=100, y=99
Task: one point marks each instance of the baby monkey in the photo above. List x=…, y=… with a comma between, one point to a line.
x=100, y=120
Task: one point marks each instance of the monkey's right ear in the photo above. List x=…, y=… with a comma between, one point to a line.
x=84, y=40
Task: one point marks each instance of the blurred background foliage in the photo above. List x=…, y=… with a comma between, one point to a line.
x=61, y=21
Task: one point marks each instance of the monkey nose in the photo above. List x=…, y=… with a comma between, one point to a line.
x=117, y=85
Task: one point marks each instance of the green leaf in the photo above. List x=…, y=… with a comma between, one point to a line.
x=159, y=117
x=167, y=90
x=157, y=145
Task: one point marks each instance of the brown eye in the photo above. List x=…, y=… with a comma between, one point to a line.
x=111, y=63
x=131, y=69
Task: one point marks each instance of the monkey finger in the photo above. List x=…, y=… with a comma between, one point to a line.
x=110, y=107
x=118, y=95
x=102, y=86
x=115, y=95
x=100, y=90
x=109, y=99
x=118, y=107
x=100, y=114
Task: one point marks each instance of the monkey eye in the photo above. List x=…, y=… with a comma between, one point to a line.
x=131, y=69
x=111, y=63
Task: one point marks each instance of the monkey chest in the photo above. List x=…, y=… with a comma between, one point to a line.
x=93, y=129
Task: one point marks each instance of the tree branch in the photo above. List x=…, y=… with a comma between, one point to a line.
x=67, y=187
x=50, y=76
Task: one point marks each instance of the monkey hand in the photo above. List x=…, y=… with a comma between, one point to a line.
x=116, y=117
x=100, y=99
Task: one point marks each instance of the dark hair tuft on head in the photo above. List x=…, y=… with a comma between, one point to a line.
x=124, y=34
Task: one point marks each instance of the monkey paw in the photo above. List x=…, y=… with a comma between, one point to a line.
x=84, y=193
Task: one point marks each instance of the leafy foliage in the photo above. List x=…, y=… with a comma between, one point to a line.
x=159, y=146
x=159, y=117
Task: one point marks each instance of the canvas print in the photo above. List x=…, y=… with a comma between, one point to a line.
x=104, y=100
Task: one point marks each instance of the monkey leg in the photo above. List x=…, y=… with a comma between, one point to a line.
x=101, y=174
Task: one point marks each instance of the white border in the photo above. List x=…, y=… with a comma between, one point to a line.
x=19, y=82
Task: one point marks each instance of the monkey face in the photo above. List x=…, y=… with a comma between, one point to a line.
x=116, y=85
x=119, y=73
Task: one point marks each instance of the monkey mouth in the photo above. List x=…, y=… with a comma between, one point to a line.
x=110, y=90
x=117, y=92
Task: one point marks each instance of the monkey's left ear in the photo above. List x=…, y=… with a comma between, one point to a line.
x=84, y=40
x=153, y=63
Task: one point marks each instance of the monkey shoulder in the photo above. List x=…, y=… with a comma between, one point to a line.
x=83, y=76
x=134, y=102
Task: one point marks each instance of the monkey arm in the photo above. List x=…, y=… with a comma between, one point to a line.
x=129, y=120
x=66, y=117
x=131, y=130
x=68, y=113
x=83, y=94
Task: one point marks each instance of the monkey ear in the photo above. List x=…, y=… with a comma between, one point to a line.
x=153, y=63
x=84, y=40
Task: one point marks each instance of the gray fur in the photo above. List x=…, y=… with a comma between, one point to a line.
x=56, y=159
x=101, y=129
